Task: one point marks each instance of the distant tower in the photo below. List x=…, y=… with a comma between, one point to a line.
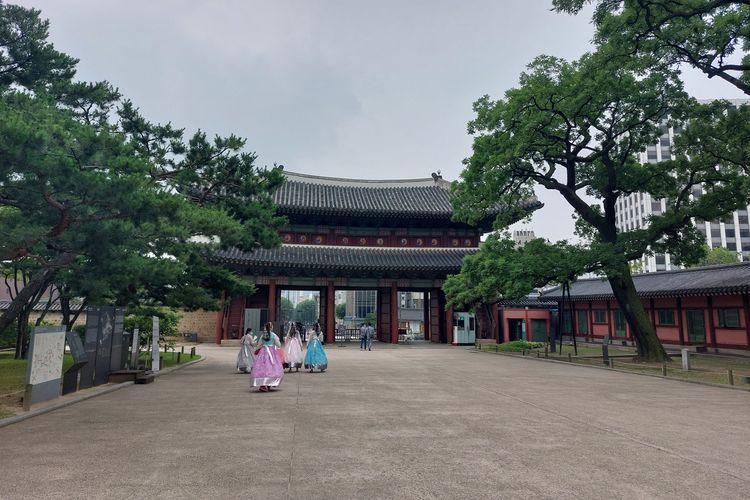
x=523, y=236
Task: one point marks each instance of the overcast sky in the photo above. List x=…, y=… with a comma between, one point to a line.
x=376, y=89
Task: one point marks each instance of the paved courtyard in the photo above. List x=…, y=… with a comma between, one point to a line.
x=398, y=422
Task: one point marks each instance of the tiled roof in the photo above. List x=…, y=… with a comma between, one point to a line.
x=327, y=196
x=711, y=280
x=319, y=259
x=533, y=302
x=42, y=305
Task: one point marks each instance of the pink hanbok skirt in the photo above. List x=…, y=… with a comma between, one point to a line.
x=267, y=369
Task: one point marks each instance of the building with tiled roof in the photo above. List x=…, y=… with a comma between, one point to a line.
x=384, y=235
x=702, y=306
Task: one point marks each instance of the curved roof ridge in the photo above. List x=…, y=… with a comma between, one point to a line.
x=363, y=247
x=671, y=271
x=365, y=183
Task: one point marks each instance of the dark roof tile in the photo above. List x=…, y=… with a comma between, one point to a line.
x=350, y=259
x=412, y=198
x=710, y=280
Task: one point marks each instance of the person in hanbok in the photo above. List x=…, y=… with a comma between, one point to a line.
x=246, y=356
x=267, y=370
x=293, y=349
x=316, y=358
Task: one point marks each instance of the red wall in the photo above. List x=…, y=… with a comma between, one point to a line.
x=525, y=314
x=716, y=336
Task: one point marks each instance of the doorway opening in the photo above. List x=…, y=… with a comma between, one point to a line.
x=413, y=316
x=353, y=308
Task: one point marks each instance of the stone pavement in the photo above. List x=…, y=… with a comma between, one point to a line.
x=397, y=422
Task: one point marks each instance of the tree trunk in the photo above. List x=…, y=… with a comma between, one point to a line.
x=38, y=282
x=65, y=311
x=648, y=344
x=22, y=337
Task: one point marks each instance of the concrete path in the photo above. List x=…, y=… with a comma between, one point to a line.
x=404, y=422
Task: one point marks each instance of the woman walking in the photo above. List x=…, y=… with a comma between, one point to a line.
x=293, y=349
x=316, y=358
x=267, y=370
x=246, y=356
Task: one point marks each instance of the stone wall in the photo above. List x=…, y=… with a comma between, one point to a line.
x=55, y=318
x=201, y=322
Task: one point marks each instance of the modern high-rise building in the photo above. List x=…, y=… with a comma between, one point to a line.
x=360, y=303
x=632, y=212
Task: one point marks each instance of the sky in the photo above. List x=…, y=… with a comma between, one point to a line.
x=376, y=89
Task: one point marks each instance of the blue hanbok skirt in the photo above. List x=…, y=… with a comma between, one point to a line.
x=316, y=358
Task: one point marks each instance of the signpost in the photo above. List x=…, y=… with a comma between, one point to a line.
x=70, y=377
x=155, y=344
x=44, y=368
x=135, y=349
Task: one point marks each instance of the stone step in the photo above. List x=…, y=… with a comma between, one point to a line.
x=145, y=378
x=121, y=376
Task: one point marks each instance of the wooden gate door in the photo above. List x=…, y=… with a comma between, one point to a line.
x=539, y=330
x=696, y=325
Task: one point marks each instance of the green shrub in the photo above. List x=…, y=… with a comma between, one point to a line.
x=519, y=345
x=142, y=318
x=8, y=337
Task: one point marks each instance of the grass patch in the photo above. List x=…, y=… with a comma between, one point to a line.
x=513, y=346
x=13, y=371
x=168, y=358
x=6, y=412
x=704, y=367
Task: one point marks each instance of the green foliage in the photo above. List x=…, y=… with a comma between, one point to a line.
x=718, y=255
x=371, y=318
x=575, y=128
x=712, y=36
x=307, y=311
x=28, y=59
x=142, y=318
x=501, y=271
x=9, y=335
x=286, y=310
x=518, y=346
x=107, y=205
x=340, y=311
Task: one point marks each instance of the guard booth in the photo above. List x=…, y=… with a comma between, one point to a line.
x=464, y=328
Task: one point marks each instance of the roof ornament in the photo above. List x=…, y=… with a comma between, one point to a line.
x=436, y=176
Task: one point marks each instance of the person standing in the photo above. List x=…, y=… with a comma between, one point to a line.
x=363, y=337
x=293, y=349
x=370, y=336
x=316, y=358
x=246, y=356
x=267, y=370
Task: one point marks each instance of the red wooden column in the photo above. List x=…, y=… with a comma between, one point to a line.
x=426, y=315
x=528, y=324
x=330, y=313
x=711, y=325
x=271, y=301
x=496, y=319
x=746, y=307
x=680, y=322
x=220, y=320
x=449, y=324
x=394, y=312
